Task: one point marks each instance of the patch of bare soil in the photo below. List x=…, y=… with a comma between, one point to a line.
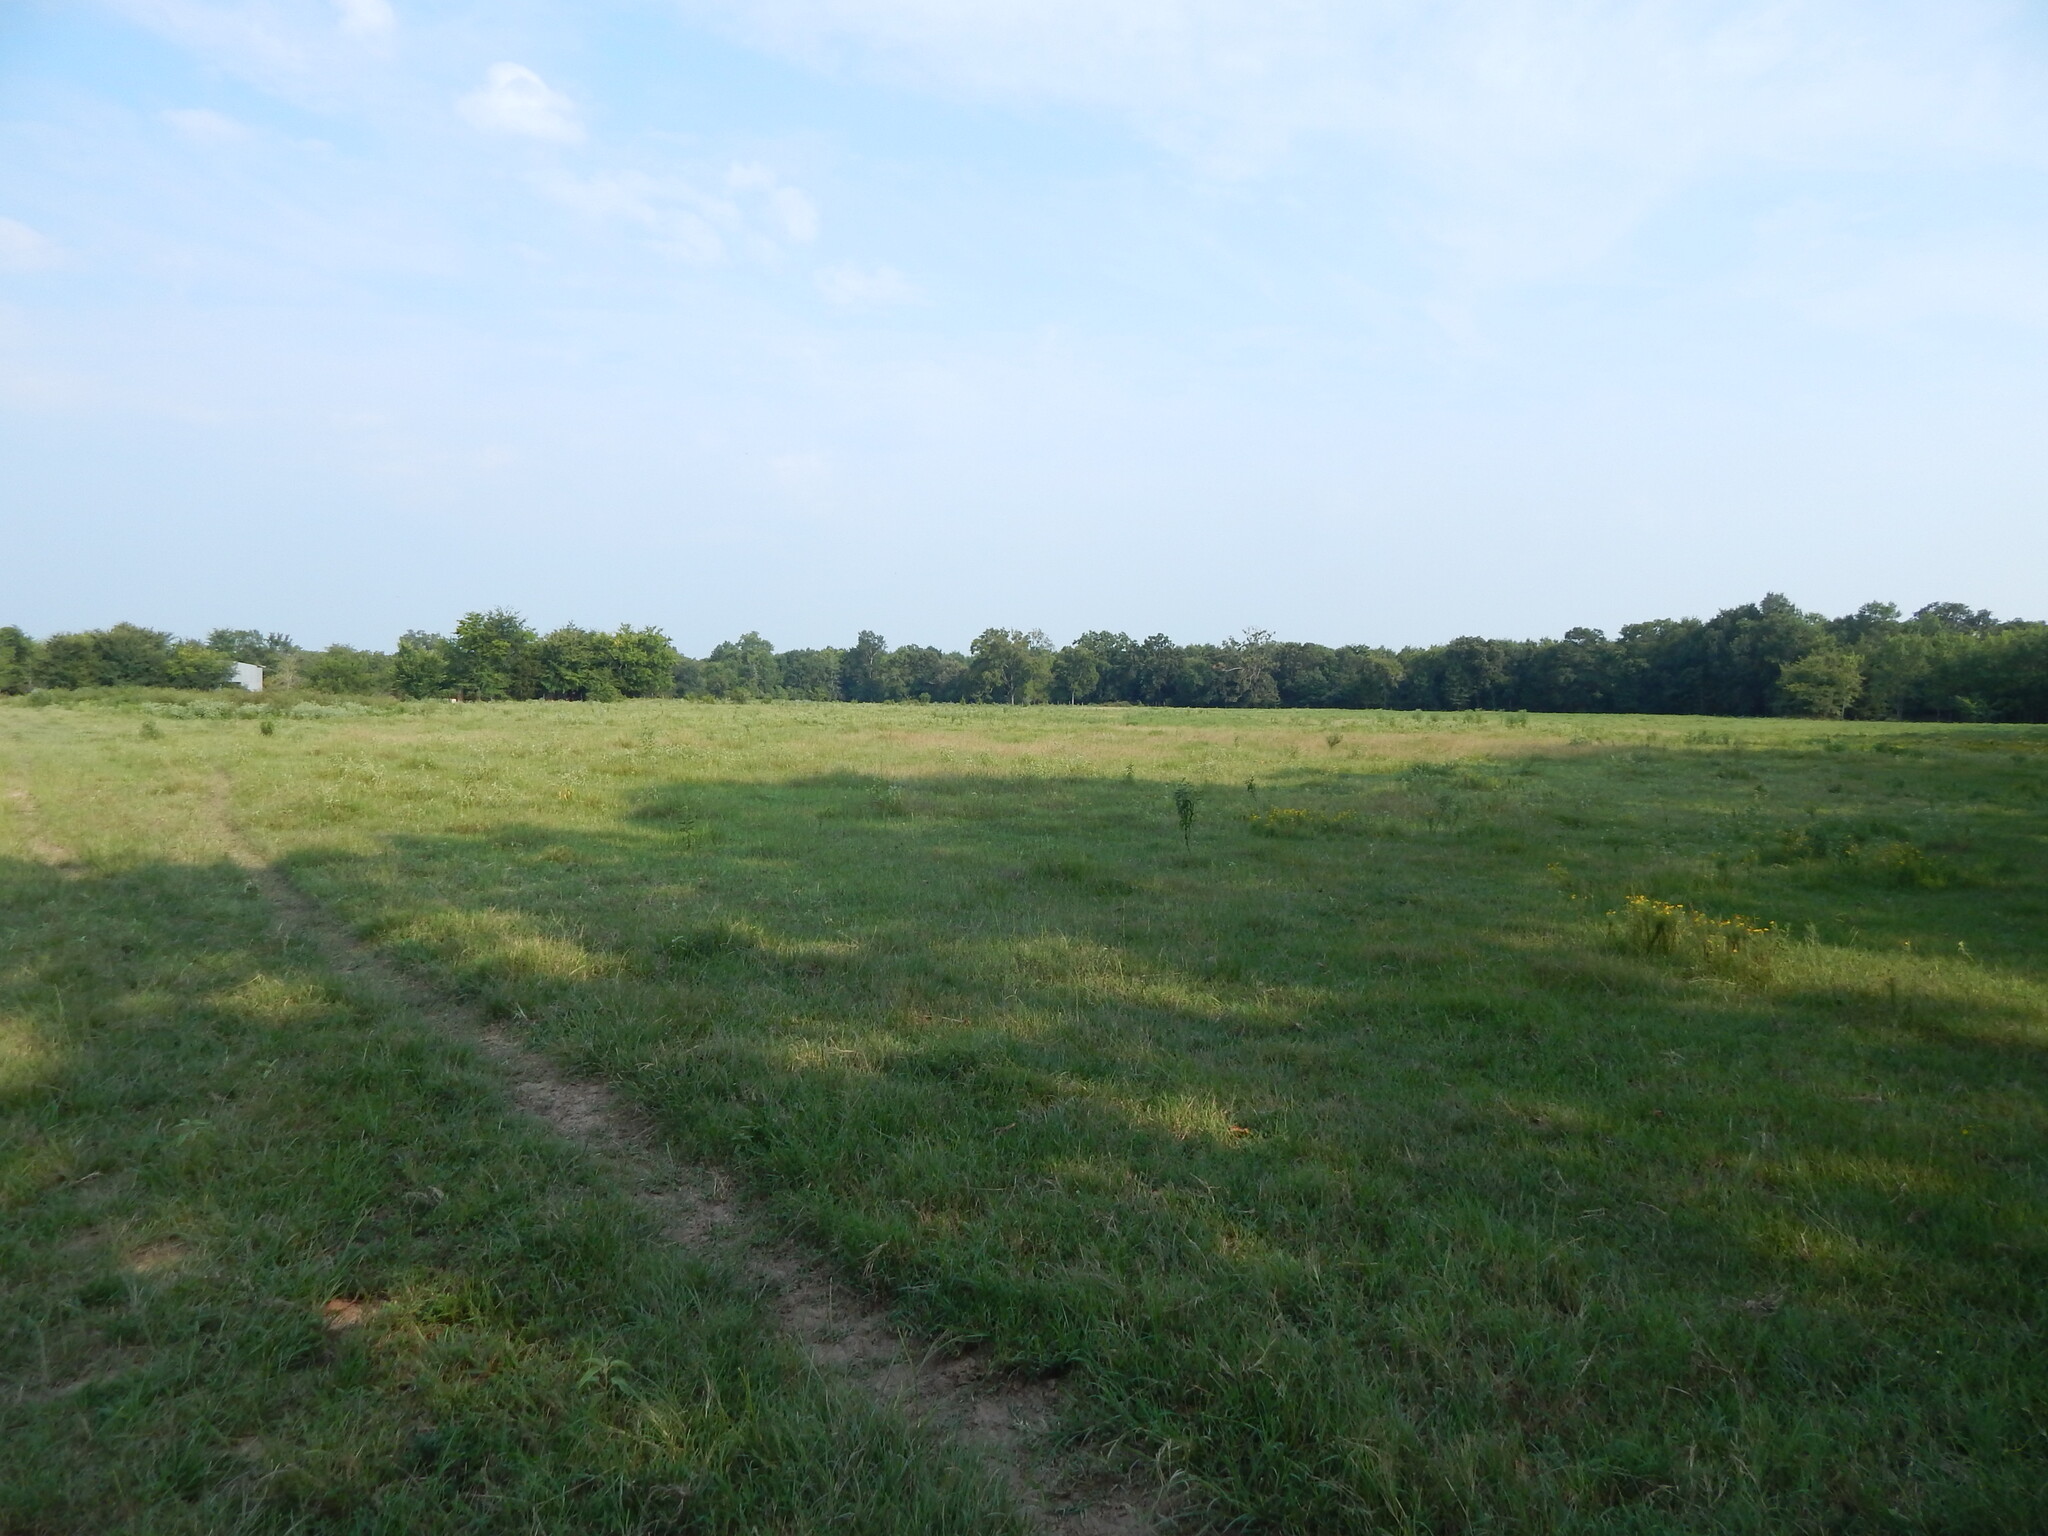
x=1004, y=1421
x=167, y=1256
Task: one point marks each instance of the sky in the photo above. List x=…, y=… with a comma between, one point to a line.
x=1372, y=321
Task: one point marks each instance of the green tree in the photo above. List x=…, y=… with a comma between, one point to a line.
x=17, y=660
x=344, y=669
x=643, y=662
x=1161, y=672
x=1954, y=619
x=575, y=663
x=1075, y=675
x=1867, y=624
x=68, y=661
x=1364, y=678
x=192, y=665
x=1244, y=671
x=131, y=656
x=493, y=656
x=1821, y=685
x=868, y=672
x=1011, y=666
x=743, y=669
x=809, y=674
x=271, y=652
x=929, y=673
x=1468, y=673
x=420, y=668
x=2007, y=672
x=126, y=655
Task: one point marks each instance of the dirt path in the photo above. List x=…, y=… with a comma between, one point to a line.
x=1003, y=1421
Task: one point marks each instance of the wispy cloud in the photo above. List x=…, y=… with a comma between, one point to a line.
x=790, y=207
x=201, y=125
x=26, y=250
x=517, y=101
x=682, y=220
x=366, y=18
x=1522, y=138
x=865, y=287
x=753, y=212
x=1829, y=271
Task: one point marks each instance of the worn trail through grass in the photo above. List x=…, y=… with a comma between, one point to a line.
x=1566, y=1126
x=1003, y=1421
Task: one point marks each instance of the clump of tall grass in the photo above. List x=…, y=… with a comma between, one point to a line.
x=1646, y=926
x=1877, y=851
x=1185, y=809
x=1447, y=792
x=1299, y=821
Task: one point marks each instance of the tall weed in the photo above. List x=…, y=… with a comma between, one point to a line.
x=1644, y=925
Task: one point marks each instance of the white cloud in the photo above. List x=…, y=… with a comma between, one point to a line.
x=791, y=208
x=1457, y=72
x=202, y=126
x=321, y=53
x=515, y=100
x=797, y=214
x=25, y=250
x=1838, y=275
x=366, y=18
x=250, y=39
x=683, y=221
x=1525, y=137
x=753, y=214
x=865, y=287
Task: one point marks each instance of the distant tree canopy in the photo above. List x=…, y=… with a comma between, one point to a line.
x=125, y=656
x=497, y=655
x=1945, y=662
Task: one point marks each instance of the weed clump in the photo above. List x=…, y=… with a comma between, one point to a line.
x=1299, y=821
x=1447, y=792
x=676, y=811
x=1083, y=874
x=1876, y=851
x=1184, y=811
x=711, y=941
x=1646, y=926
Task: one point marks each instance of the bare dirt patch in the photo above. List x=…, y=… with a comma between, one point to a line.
x=164, y=1257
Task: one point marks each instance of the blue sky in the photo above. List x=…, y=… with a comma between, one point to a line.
x=1382, y=320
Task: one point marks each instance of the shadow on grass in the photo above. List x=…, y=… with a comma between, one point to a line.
x=1350, y=1179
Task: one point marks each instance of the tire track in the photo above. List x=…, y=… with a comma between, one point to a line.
x=1004, y=1422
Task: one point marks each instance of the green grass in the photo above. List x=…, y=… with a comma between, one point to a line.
x=211, y=1151
x=1372, y=1162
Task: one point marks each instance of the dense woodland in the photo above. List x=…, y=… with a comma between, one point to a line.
x=1944, y=662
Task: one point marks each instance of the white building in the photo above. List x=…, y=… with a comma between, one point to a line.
x=248, y=675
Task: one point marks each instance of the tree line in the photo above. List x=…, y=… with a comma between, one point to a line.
x=1944, y=662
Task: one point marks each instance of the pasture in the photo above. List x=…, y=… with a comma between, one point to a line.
x=1463, y=1123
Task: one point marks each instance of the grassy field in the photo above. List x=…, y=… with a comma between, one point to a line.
x=1531, y=1124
